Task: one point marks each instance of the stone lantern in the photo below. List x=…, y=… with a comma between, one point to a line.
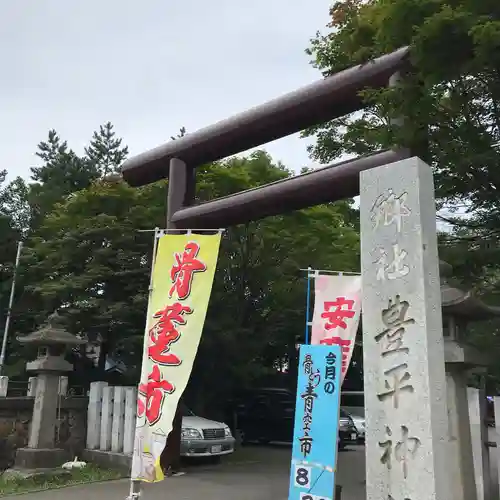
x=459, y=308
x=52, y=341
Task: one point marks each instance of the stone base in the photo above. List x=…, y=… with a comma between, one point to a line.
x=33, y=458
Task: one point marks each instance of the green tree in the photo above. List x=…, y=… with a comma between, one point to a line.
x=451, y=100
x=91, y=259
x=62, y=173
x=26, y=206
x=451, y=105
x=105, y=151
x=259, y=276
x=15, y=205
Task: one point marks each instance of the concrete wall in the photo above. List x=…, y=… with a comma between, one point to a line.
x=15, y=421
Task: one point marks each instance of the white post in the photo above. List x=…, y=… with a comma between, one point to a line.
x=94, y=415
x=32, y=381
x=497, y=433
x=118, y=420
x=404, y=373
x=130, y=417
x=4, y=386
x=63, y=386
x=9, y=309
x=480, y=452
x=106, y=418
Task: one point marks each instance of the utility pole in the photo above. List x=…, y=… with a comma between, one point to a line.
x=9, y=310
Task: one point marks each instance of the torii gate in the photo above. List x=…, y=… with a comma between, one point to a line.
x=329, y=98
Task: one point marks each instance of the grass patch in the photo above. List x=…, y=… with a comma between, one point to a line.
x=14, y=485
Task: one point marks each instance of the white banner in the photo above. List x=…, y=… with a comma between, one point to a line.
x=337, y=309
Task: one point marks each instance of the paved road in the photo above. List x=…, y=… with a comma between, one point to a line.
x=257, y=473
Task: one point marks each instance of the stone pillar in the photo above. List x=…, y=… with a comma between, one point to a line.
x=478, y=433
x=42, y=433
x=460, y=458
x=4, y=386
x=52, y=341
x=118, y=420
x=130, y=418
x=94, y=415
x=497, y=435
x=106, y=418
x=404, y=371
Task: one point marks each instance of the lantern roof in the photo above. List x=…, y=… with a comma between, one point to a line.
x=460, y=303
x=52, y=333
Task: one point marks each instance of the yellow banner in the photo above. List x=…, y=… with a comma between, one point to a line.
x=182, y=280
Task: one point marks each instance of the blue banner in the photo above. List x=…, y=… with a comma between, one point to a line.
x=317, y=409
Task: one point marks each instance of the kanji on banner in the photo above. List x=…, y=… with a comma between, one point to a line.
x=316, y=424
x=182, y=280
x=337, y=309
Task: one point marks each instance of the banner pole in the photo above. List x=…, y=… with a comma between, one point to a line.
x=308, y=304
x=135, y=486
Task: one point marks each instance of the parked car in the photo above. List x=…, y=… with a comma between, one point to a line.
x=348, y=433
x=270, y=415
x=359, y=423
x=353, y=402
x=204, y=438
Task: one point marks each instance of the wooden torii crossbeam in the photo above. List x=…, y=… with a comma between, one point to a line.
x=324, y=100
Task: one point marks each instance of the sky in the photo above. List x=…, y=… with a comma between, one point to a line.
x=149, y=67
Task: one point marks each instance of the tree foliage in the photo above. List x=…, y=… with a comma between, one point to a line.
x=105, y=151
x=451, y=99
x=450, y=102
x=62, y=173
x=25, y=206
x=91, y=258
x=88, y=252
